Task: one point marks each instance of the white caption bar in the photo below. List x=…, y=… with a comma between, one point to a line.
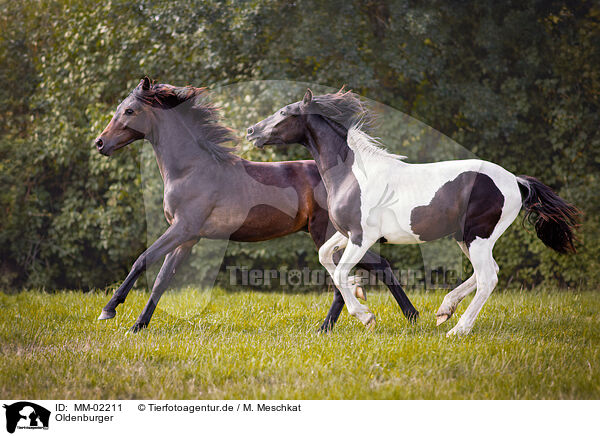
x=150, y=417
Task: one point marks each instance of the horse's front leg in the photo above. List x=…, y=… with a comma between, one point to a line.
x=373, y=262
x=164, y=277
x=326, y=252
x=353, y=253
x=175, y=235
x=338, y=301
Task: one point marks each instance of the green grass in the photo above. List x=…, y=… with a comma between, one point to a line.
x=530, y=344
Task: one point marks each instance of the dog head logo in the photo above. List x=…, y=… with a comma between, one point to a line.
x=26, y=415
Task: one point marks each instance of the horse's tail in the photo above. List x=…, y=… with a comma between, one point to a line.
x=554, y=219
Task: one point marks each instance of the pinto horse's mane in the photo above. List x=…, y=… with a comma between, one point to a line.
x=205, y=115
x=344, y=107
x=347, y=109
x=367, y=146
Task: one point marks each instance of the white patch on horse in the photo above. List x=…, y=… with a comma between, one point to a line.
x=391, y=189
x=475, y=201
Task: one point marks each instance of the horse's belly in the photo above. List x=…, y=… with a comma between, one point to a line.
x=401, y=238
x=265, y=222
x=260, y=222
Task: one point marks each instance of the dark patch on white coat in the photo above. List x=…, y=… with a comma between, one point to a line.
x=467, y=207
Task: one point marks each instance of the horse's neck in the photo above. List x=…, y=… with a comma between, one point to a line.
x=175, y=143
x=330, y=150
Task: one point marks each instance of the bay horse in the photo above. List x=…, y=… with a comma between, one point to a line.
x=374, y=195
x=209, y=192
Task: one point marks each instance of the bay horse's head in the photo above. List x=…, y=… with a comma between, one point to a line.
x=288, y=125
x=129, y=123
x=135, y=116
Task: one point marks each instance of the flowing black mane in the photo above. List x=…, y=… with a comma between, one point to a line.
x=343, y=107
x=206, y=116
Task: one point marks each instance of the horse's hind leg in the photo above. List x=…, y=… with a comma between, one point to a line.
x=486, y=276
x=454, y=297
x=334, y=311
x=165, y=275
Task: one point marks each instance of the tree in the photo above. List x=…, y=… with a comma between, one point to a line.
x=516, y=83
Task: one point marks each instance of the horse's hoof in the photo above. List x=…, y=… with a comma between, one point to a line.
x=137, y=328
x=457, y=330
x=413, y=317
x=442, y=318
x=358, y=290
x=326, y=327
x=452, y=332
x=370, y=324
x=107, y=314
x=360, y=293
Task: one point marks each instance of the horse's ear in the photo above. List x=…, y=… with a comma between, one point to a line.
x=307, y=97
x=145, y=83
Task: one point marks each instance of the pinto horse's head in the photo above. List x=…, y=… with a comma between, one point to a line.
x=129, y=123
x=286, y=126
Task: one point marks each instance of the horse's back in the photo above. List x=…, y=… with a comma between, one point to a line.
x=464, y=198
x=301, y=175
x=471, y=197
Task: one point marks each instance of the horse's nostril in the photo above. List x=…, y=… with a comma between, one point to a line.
x=250, y=130
x=99, y=143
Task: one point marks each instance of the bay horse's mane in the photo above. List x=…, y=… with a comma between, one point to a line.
x=205, y=115
x=344, y=107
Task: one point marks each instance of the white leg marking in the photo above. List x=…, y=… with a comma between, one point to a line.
x=352, y=255
x=487, y=278
x=356, y=287
x=454, y=297
x=333, y=244
x=486, y=268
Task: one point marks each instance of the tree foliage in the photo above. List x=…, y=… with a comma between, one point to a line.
x=516, y=83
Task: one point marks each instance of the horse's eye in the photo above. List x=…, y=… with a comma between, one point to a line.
x=128, y=111
x=282, y=113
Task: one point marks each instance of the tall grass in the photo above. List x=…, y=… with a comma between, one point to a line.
x=534, y=344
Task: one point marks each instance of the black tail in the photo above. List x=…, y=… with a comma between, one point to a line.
x=554, y=219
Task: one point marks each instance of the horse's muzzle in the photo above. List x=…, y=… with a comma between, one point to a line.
x=259, y=142
x=101, y=147
x=255, y=137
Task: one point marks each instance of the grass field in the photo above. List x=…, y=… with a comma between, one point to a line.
x=530, y=344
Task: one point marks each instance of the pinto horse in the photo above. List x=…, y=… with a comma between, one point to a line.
x=375, y=196
x=209, y=192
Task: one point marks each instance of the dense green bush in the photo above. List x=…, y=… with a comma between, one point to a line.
x=516, y=83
